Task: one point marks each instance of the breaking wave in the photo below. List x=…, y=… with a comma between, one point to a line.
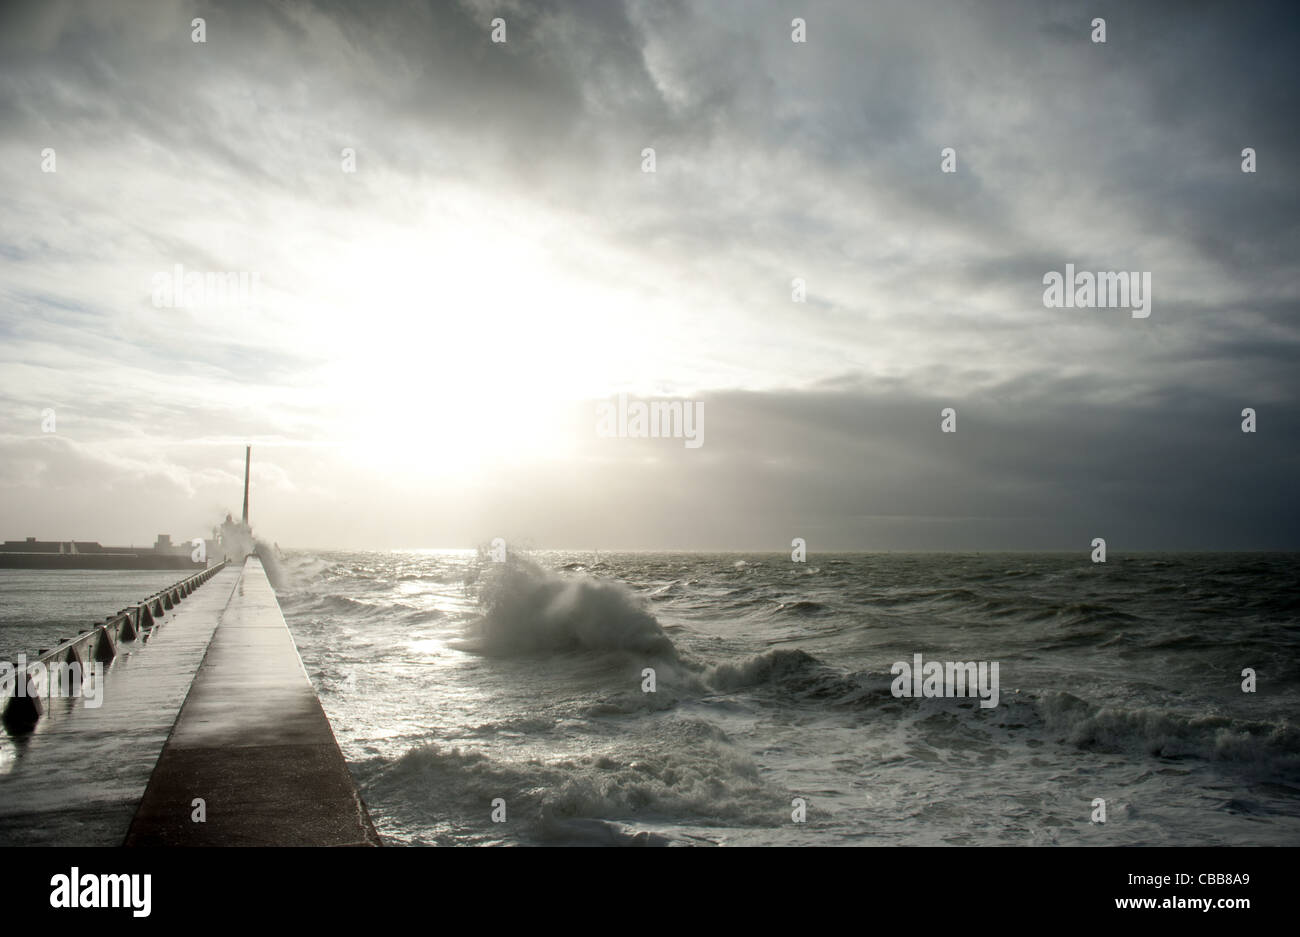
x=1171, y=735
x=532, y=610
x=689, y=772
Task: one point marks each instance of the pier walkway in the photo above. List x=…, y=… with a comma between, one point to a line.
x=76, y=779
x=215, y=707
x=253, y=743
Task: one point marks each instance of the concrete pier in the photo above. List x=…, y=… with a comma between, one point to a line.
x=35, y=685
x=77, y=776
x=252, y=743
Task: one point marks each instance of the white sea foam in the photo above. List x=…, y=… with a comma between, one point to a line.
x=531, y=610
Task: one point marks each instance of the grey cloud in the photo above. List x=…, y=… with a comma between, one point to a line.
x=775, y=161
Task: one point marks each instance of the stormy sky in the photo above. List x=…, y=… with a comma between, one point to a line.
x=458, y=254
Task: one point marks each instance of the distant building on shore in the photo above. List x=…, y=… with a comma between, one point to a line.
x=90, y=554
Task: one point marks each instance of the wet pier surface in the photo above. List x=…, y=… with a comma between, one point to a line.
x=214, y=706
x=252, y=743
x=78, y=778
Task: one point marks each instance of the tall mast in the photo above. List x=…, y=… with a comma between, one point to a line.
x=248, y=457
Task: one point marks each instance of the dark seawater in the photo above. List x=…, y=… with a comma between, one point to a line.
x=40, y=607
x=451, y=681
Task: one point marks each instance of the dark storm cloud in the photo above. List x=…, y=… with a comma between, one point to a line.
x=870, y=469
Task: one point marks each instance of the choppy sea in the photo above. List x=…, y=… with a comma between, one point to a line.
x=481, y=702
